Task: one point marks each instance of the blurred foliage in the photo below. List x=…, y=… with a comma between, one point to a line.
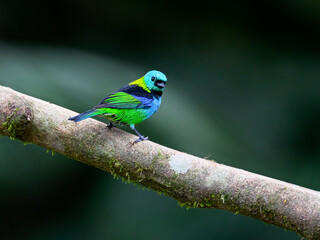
x=243, y=89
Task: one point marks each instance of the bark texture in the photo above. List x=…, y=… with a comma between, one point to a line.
x=192, y=181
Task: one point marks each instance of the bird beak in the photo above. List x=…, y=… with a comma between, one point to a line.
x=160, y=84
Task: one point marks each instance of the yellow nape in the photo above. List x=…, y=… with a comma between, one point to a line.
x=141, y=83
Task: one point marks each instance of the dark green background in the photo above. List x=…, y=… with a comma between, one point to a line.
x=243, y=89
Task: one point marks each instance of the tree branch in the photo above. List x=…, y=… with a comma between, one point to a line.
x=192, y=181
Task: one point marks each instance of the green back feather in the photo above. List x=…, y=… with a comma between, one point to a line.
x=121, y=100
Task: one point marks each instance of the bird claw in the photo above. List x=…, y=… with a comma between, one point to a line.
x=141, y=138
x=110, y=125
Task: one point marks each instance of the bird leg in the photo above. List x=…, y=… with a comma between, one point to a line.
x=141, y=138
x=110, y=125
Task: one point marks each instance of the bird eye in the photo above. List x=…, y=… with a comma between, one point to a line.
x=153, y=78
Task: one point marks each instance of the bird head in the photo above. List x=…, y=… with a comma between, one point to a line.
x=155, y=80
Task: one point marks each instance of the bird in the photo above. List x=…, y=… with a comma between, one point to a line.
x=131, y=104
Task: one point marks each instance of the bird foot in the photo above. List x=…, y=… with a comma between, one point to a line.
x=141, y=138
x=110, y=125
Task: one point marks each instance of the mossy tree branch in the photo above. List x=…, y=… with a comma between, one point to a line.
x=192, y=181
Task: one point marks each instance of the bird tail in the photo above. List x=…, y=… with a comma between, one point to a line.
x=85, y=115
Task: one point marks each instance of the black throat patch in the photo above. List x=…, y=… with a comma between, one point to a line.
x=157, y=94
